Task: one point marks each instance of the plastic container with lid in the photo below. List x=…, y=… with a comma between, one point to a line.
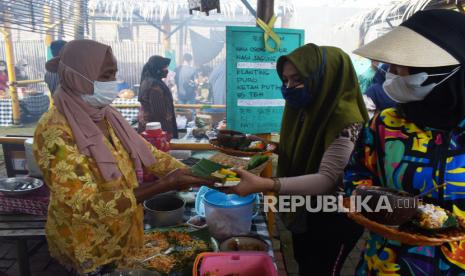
x=228, y=215
x=159, y=139
x=156, y=136
x=234, y=263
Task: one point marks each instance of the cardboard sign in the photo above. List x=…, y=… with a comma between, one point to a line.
x=254, y=103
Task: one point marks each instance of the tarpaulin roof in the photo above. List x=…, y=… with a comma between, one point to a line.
x=40, y=15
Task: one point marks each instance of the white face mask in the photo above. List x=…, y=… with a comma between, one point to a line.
x=405, y=89
x=104, y=92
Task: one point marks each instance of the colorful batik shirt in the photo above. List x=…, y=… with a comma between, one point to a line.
x=91, y=222
x=395, y=153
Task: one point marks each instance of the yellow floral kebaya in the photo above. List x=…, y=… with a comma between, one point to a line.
x=91, y=222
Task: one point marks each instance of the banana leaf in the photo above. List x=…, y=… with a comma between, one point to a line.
x=204, y=168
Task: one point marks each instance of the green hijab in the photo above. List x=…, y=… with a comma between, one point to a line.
x=306, y=133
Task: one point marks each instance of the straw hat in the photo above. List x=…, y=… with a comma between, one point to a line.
x=404, y=45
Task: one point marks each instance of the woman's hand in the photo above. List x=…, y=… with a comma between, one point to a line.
x=179, y=179
x=250, y=184
x=182, y=179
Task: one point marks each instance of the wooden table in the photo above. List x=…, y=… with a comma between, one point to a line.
x=21, y=227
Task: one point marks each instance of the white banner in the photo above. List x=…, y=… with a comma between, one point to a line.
x=262, y=102
x=256, y=65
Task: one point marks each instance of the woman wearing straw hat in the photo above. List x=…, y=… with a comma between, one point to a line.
x=418, y=145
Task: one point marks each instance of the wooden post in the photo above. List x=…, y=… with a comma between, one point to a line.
x=180, y=52
x=265, y=10
x=9, y=54
x=167, y=28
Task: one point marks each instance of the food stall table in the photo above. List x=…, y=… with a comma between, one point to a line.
x=23, y=218
x=129, y=108
x=21, y=228
x=6, y=112
x=259, y=227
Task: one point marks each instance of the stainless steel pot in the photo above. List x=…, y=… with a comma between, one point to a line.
x=165, y=210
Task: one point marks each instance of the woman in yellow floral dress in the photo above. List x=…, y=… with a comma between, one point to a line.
x=91, y=160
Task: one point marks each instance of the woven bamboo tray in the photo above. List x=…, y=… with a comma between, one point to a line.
x=410, y=238
x=232, y=161
x=234, y=152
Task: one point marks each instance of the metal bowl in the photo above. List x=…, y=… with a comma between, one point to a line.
x=244, y=243
x=165, y=210
x=15, y=186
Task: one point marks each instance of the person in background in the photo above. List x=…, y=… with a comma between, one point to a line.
x=92, y=162
x=365, y=79
x=418, y=146
x=3, y=77
x=376, y=92
x=155, y=97
x=218, y=83
x=51, y=79
x=323, y=114
x=203, y=84
x=20, y=70
x=185, y=81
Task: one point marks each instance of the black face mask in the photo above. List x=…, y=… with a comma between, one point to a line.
x=296, y=97
x=163, y=74
x=302, y=97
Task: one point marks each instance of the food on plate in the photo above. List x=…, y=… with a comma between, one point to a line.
x=126, y=94
x=257, y=145
x=226, y=176
x=434, y=217
x=185, y=250
x=403, y=206
x=231, y=139
x=256, y=161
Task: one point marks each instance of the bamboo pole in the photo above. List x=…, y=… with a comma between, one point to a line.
x=187, y=106
x=78, y=29
x=48, y=36
x=265, y=10
x=166, y=34
x=9, y=54
x=25, y=82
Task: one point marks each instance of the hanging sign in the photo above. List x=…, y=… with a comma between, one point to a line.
x=254, y=103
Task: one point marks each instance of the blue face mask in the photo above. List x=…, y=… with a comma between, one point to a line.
x=296, y=97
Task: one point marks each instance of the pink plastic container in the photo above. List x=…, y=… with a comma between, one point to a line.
x=242, y=263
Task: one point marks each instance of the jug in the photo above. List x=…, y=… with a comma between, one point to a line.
x=228, y=215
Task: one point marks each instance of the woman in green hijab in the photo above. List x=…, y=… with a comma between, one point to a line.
x=323, y=114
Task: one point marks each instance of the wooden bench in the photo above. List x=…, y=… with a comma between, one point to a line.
x=21, y=227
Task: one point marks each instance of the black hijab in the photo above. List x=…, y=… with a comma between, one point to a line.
x=444, y=107
x=154, y=68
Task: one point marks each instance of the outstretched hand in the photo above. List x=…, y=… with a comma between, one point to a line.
x=249, y=184
x=182, y=179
